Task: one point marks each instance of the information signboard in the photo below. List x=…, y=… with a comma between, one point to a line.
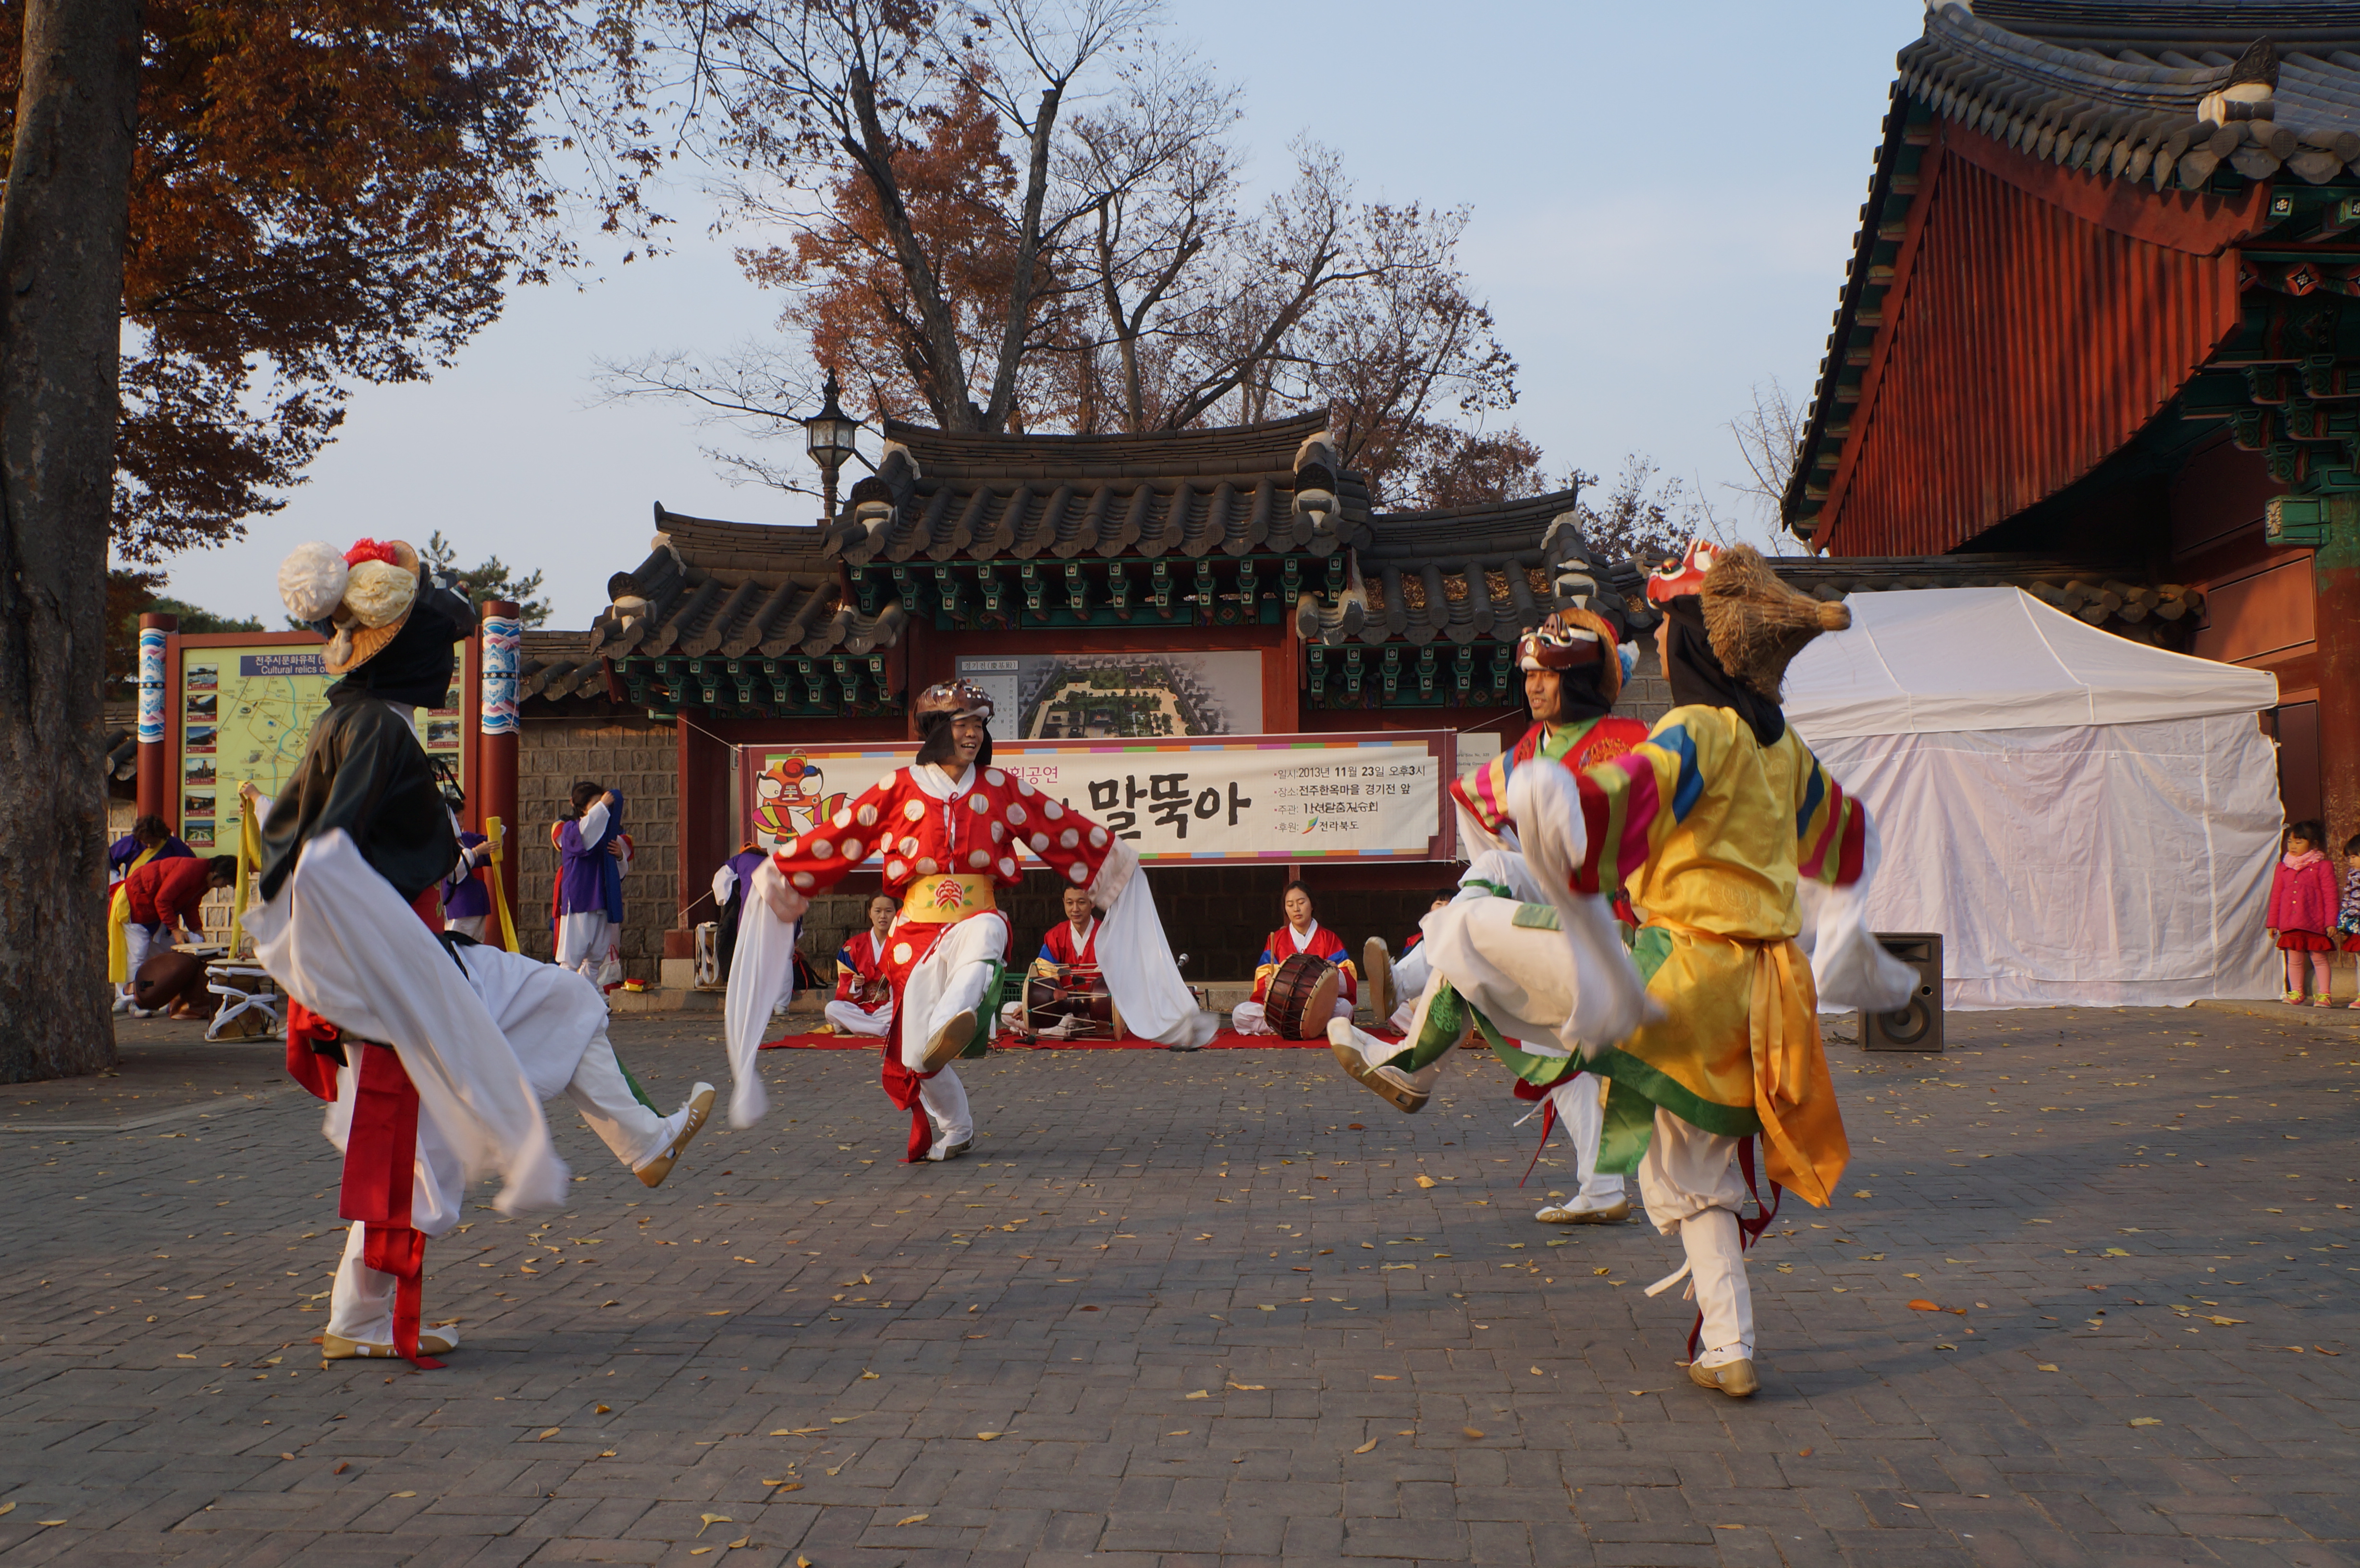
x=240, y=708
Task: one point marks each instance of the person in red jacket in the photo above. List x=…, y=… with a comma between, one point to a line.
x=950, y=828
x=2302, y=910
x=1301, y=933
x=165, y=893
x=863, y=1003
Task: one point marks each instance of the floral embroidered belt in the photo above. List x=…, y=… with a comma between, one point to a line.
x=940, y=900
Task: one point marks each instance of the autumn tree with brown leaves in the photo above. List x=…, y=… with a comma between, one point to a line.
x=963, y=241
x=326, y=193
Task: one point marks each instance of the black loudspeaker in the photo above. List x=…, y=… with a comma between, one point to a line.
x=1917, y=1024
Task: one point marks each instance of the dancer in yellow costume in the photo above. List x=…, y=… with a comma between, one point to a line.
x=1706, y=1034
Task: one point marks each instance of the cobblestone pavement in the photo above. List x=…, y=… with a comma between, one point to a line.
x=1196, y=1309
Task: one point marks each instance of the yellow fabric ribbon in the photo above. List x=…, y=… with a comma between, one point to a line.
x=1804, y=1149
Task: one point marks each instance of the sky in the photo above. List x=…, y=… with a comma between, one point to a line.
x=1662, y=200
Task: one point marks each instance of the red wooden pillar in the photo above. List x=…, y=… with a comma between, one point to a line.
x=155, y=767
x=2336, y=576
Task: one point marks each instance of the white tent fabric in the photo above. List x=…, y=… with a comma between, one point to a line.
x=2085, y=820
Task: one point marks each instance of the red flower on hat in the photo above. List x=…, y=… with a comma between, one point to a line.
x=371, y=550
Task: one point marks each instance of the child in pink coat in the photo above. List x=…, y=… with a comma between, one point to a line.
x=2303, y=909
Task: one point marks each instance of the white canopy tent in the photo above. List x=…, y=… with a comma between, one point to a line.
x=2087, y=821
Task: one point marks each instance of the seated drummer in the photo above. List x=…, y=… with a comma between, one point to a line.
x=863, y=1003
x=1076, y=941
x=1301, y=933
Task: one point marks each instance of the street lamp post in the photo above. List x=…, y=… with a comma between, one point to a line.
x=827, y=435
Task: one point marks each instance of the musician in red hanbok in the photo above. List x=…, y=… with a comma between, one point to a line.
x=863, y=1003
x=1301, y=933
x=950, y=829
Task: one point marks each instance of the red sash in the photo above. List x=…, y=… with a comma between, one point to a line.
x=380, y=1151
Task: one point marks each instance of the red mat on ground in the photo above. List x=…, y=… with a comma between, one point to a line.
x=1229, y=1039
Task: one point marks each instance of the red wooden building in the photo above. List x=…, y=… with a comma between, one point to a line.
x=2104, y=305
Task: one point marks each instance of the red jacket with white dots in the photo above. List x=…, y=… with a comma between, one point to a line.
x=922, y=825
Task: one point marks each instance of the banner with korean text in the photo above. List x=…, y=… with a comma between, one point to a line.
x=1213, y=800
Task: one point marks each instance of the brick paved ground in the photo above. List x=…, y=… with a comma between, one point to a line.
x=1210, y=1314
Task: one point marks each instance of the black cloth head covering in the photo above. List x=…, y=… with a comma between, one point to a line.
x=414, y=668
x=1579, y=698
x=934, y=741
x=1698, y=678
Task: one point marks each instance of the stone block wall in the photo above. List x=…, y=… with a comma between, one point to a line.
x=636, y=755
x=1647, y=696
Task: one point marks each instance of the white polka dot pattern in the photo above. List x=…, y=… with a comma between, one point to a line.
x=1016, y=813
x=1007, y=865
x=1079, y=872
x=900, y=953
x=979, y=859
x=868, y=816
x=1052, y=810
x=915, y=810
x=994, y=777
x=926, y=867
x=1097, y=838
x=897, y=870
x=1039, y=843
x=1068, y=839
x=805, y=881
x=822, y=849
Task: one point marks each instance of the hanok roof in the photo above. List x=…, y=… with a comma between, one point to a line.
x=1264, y=487
x=2159, y=97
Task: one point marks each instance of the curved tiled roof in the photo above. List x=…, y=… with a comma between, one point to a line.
x=1233, y=491
x=2136, y=93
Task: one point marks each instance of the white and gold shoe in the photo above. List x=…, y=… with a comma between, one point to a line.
x=1734, y=1378
x=1391, y=1085
x=700, y=1110
x=430, y=1342
x=1579, y=1212
x=950, y=1039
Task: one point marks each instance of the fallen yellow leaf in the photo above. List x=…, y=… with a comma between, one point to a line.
x=1601, y=1271
x=698, y=1550
x=2048, y=1367
x=545, y=1436
x=1248, y=1387
x=710, y=1520
x=1199, y=1394
x=985, y=1436
x=1368, y=1445
x=2224, y=1323
x=1425, y=1180
x=2147, y=1421
x=741, y=1540
x=1386, y=1377
x=1538, y=1373
x=7, y=1507
x=797, y=1431
x=602, y=1410
x=869, y=1376
x=914, y=1518
x=1470, y=1431
x=404, y=1493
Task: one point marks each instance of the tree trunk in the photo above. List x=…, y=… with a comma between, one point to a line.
x=61, y=235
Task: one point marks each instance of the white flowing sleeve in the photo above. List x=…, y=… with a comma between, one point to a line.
x=725, y=882
x=342, y=943
x=1136, y=956
x=1610, y=1000
x=1850, y=968
x=761, y=967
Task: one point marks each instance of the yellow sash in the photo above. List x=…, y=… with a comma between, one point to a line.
x=118, y=915
x=941, y=900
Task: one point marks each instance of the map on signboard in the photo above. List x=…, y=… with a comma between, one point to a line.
x=247, y=714
x=1120, y=696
